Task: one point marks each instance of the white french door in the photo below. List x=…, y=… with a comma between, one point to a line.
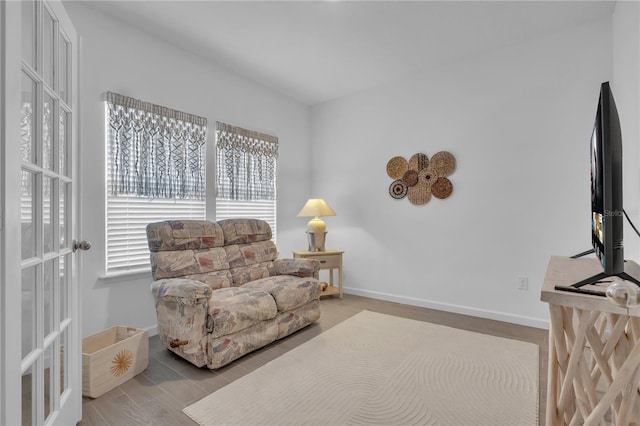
x=40, y=352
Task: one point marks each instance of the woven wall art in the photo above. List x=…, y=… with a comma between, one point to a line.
x=421, y=177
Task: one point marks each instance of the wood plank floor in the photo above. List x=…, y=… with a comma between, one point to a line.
x=158, y=395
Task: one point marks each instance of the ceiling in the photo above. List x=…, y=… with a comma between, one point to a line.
x=315, y=51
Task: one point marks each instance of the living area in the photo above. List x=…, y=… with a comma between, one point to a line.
x=518, y=119
x=515, y=111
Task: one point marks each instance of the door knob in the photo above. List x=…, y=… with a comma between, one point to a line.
x=81, y=245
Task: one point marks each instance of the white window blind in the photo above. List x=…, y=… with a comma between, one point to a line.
x=155, y=171
x=127, y=219
x=259, y=209
x=246, y=164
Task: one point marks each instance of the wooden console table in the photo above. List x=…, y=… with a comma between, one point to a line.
x=594, y=350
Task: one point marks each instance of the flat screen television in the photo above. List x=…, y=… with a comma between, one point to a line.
x=607, y=218
x=607, y=214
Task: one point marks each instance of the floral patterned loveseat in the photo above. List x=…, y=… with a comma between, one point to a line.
x=221, y=292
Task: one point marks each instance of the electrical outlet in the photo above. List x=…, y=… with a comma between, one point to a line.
x=523, y=283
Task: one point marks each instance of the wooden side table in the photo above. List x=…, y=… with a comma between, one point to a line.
x=330, y=259
x=594, y=350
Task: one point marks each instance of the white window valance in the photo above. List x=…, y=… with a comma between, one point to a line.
x=154, y=151
x=247, y=164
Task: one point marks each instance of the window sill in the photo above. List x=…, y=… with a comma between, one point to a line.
x=118, y=277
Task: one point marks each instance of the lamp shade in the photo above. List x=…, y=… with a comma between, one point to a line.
x=316, y=207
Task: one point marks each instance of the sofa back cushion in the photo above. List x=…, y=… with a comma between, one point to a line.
x=244, y=231
x=227, y=253
x=251, y=261
x=179, y=263
x=249, y=248
x=174, y=235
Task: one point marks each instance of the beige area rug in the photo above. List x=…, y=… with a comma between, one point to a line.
x=376, y=369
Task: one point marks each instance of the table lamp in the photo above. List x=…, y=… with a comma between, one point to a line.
x=316, y=228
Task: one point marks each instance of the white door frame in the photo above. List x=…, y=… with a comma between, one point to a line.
x=10, y=221
x=10, y=336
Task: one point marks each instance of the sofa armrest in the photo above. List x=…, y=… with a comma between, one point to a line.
x=303, y=268
x=189, y=292
x=182, y=307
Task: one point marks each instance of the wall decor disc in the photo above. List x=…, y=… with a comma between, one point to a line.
x=444, y=162
x=419, y=194
x=442, y=188
x=421, y=177
x=428, y=175
x=410, y=178
x=398, y=189
x=418, y=162
x=397, y=167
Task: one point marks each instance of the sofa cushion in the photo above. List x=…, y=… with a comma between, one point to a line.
x=251, y=261
x=245, y=274
x=250, y=254
x=224, y=349
x=215, y=280
x=171, y=264
x=295, y=319
x=235, y=308
x=288, y=291
x=184, y=235
x=243, y=231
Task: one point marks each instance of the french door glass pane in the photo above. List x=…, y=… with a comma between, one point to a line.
x=47, y=133
x=29, y=32
x=47, y=48
x=28, y=396
x=62, y=143
x=63, y=65
x=27, y=214
x=64, y=364
x=48, y=381
x=29, y=312
x=27, y=119
x=62, y=214
x=64, y=285
x=48, y=205
x=47, y=293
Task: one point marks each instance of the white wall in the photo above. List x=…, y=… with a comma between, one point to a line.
x=626, y=91
x=117, y=58
x=518, y=121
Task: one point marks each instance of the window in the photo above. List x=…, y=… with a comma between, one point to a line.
x=155, y=171
x=246, y=165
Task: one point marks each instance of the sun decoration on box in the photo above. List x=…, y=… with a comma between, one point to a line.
x=121, y=362
x=420, y=177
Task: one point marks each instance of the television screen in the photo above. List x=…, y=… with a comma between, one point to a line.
x=606, y=185
x=597, y=209
x=607, y=215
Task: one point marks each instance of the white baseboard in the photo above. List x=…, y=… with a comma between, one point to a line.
x=482, y=313
x=152, y=330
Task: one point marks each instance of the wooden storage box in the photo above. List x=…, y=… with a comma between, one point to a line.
x=111, y=357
